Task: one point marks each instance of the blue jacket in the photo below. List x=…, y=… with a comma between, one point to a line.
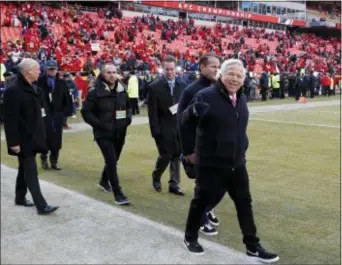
x=221, y=134
x=264, y=81
x=187, y=137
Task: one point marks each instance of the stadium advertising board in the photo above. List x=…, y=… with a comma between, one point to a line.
x=182, y=6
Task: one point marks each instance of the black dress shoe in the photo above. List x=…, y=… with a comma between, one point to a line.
x=45, y=164
x=56, y=166
x=176, y=191
x=48, y=209
x=157, y=185
x=25, y=203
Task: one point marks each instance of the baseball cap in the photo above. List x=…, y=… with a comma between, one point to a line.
x=51, y=64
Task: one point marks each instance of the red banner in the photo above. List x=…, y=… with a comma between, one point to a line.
x=182, y=6
x=338, y=26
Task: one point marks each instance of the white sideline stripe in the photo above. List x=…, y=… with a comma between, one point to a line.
x=297, y=123
x=163, y=228
x=324, y=111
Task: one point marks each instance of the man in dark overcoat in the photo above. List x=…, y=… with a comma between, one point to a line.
x=58, y=105
x=25, y=133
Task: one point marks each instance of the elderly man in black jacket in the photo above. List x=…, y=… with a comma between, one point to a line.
x=220, y=115
x=107, y=110
x=162, y=106
x=209, y=65
x=58, y=105
x=25, y=133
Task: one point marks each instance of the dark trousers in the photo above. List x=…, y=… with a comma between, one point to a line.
x=163, y=161
x=264, y=94
x=119, y=143
x=212, y=204
x=300, y=92
x=276, y=93
x=312, y=92
x=282, y=92
x=236, y=183
x=28, y=178
x=134, y=105
x=326, y=90
x=109, y=154
x=54, y=155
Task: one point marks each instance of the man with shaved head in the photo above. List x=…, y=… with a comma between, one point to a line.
x=107, y=110
x=25, y=133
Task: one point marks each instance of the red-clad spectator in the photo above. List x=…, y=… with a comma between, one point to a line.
x=100, y=13
x=82, y=85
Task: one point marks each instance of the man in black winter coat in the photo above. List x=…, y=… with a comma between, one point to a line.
x=162, y=106
x=107, y=110
x=25, y=133
x=209, y=65
x=58, y=105
x=264, y=87
x=220, y=115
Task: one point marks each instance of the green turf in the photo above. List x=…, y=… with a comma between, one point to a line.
x=311, y=116
x=295, y=184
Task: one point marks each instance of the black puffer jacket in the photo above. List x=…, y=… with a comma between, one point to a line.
x=107, y=111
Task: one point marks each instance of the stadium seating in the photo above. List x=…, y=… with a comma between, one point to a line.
x=179, y=44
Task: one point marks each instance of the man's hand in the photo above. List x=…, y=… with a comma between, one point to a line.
x=15, y=149
x=190, y=158
x=200, y=108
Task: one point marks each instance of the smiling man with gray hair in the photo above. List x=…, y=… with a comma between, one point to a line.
x=219, y=115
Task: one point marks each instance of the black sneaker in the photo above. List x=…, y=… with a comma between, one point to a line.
x=258, y=253
x=45, y=164
x=193, y=247
x=105, y=186
x=208, y=230
x=121, y=199
x=212, y=218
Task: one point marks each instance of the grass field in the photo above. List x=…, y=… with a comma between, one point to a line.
x=294, y=173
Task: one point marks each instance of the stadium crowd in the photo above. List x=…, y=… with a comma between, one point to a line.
x=85, y=40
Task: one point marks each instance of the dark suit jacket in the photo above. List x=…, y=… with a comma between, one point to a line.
x=187, y=136
x=163, y=123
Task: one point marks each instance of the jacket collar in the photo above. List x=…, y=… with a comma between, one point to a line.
x=205, y=80
x=103, y=90
x=22, y=82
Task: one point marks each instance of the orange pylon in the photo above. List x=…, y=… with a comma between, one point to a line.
x=302, y=100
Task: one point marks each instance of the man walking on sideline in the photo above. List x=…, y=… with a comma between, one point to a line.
x=58, y=105
x=25, y=133
x=209, y=65
x=162, y=106
x=107, y=110
x=220, y=115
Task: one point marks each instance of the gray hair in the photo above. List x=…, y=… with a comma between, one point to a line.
x=231, y=62
x=27, y=64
